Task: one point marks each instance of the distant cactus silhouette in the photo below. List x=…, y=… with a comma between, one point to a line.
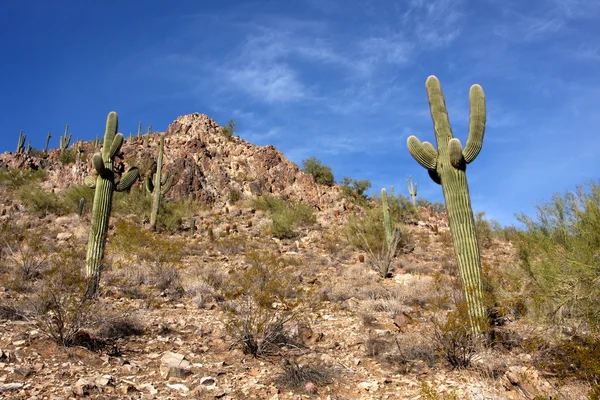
x=158, y=184
x=21, y=142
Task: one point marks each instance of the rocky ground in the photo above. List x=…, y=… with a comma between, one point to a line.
x=354, y=335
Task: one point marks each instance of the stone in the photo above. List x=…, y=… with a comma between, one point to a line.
x=174, y=365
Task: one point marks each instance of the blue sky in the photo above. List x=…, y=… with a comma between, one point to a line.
x=341, y=80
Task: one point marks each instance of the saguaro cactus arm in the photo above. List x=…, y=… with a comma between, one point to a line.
x=476, y=123
x=128, y=179
x=424, y=153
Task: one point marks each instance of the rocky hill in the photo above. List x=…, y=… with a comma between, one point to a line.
x=206, y=166
x=229, y=311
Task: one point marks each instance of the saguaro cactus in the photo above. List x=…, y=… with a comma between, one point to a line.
x=21, y=142
x=387, y=220
x=412, y=190
x=65, y=139
x=447, y=166
x=81, y=205
x=147, y=136
x=47, y=142
x=138, y=138
x=158, y=185
x=105, y=184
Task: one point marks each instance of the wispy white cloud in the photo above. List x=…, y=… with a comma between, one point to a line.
x=270, y=82
x=435, y=23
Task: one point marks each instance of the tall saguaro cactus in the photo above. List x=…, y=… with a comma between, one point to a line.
x=412, y=190
x=65, y=139
x=21, y=142
x=447, y=166
x=47, y=142
x=105, y=184
x=158, y=185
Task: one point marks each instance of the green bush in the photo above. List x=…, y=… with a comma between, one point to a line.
x=16, y=178
x=286, y=216
x=367, y=233
x=322, y=173
x=261, y=302
x=69, y=156
x=560, y=257
x=229, y=129
x=355, y=190
x=41, y=202
x=76, y=192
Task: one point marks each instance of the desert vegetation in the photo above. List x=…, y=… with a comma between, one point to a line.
x=300, y=289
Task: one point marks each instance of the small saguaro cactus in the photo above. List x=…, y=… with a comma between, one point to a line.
x=447, y=166
x=412, y=190
x=147, y=136
x=81, y=205
x=192, y=226
x=21, y=142
x=138, y=137
x=65, y=139
x=387, y=220
x=96, y=142
x=28, y=148
x=47, y=142
x=158, y=185
x=105, y=184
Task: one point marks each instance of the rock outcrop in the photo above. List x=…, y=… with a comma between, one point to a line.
x=206, y=166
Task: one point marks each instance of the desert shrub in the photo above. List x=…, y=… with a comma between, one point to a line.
x=321, y=173
x=355, y=190
x=15, y=178
x=77, y=192
x=454, y=338
x=119, y=326
x=559, y=255
x=435, y=207
x=286, y=216
x=235, y=195
x=428, y=392
x=228, y=130
x=40, y=201
x=160, y=258
x=58, y=306
x=400, y=207
x=302, y=377
x=262, y=300
x=575, y=356
x=452, y=333
x=68, y=156
x=135, y=202
x=367, y=233
x=26, y=256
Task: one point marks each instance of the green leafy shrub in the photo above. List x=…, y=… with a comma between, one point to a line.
x=69, y=156
x=286, y=216
x=367, y=233
x=261, y=303
x=355, y=190
x=229, y=129
x=16, y=178
x=322, y=173
x=76, y=192
x=40, y=201
x=559, y=253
